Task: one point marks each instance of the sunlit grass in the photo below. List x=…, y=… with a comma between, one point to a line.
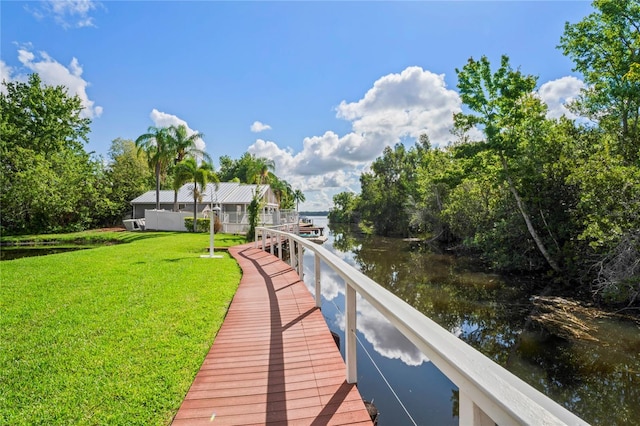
x=110, y=335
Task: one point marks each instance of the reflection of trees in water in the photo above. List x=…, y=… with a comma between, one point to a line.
x=599, y=381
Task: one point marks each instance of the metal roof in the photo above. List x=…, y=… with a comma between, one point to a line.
x=227, y=193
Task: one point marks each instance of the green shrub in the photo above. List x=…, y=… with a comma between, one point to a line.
x=202, y=225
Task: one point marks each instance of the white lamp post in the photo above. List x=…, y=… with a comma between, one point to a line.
x=214, y=213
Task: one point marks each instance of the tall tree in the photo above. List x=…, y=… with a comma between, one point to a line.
x=45, y=174
x=261, y=169
x=605, y=47
x=282, y=190
x=344, y=207
x=128, y=174
x=385, y=191
x=159, y=151
x=298, y=196
x=505, y=110
x=183, y=144
x=188, y=170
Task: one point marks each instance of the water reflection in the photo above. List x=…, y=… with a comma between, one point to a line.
x=598, y=380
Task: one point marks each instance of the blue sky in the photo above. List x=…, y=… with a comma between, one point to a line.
x=319, y=87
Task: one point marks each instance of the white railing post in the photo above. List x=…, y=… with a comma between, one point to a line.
x=271, y=242
x=300, y=260
x=489, y=394
x=291, y=252
x=469, y=414
x=255, y=240
x=317, y=276
x=280, y=246
x=350, y=333
x=264, y=232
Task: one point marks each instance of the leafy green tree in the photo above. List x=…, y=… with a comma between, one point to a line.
x=188, y=170
x=46, y=176
x=128, y=175
x=344, y=208
x=261, y=169
x=248, y=169
x=386, y=189
x=282, y=190
x=504, y=109
x=254, y=214
x=605, y=47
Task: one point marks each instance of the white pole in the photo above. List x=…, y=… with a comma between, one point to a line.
x=212, y=217
x=211, y=237
x=350, y=333
x=318, y=285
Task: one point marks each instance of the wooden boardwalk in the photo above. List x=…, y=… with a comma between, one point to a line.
x=274, y=360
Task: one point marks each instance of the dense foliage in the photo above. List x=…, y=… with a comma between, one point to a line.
x=51, y=184
x=48, y=181
x=259, y=170
x=534, y=193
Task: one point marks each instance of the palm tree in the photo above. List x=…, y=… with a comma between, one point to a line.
x=298, y=196
x=183, y=144
x=260, y=169
x=159, y=153
x=188, y=170
x=281, y=189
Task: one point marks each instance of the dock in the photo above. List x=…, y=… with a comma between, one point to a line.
x=274, y=360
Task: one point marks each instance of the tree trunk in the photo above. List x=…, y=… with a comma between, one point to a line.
x=527, y=219
x=175, y=200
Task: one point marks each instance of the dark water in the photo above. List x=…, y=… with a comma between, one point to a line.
x=10, y=253
x=599, y=380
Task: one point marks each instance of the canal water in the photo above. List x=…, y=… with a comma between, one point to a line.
x=596, y=378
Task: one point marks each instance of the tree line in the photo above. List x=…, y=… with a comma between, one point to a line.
x=533, y=194
x=51, y=184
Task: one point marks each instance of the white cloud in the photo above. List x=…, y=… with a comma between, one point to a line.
x=403, y=105
x=398, y=106
x=5, y=75
x=557, y=93
x=54, y=73
x=377, y=330
x=258, y=127
x=385, y=337
x=162, y=119
x=67, y=13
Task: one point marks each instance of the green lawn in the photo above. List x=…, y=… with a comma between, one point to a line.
x=110, y=335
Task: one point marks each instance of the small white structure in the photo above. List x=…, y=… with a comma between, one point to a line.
x=233, y=199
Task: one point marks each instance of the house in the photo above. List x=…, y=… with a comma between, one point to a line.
x=233, y=199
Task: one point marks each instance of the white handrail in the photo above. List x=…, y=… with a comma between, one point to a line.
x=488, y=393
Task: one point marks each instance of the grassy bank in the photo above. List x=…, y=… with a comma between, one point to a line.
x=111, y=335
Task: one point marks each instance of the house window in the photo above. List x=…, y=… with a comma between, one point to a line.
x=181, y=206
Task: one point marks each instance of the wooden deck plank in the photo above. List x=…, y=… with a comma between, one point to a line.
x=274, y=360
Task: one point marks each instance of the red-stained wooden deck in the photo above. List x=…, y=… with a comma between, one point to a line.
x=274, y=360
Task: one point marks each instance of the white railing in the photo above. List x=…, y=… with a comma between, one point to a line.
x=489, y=393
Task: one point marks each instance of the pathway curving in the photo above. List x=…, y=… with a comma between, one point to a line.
x=274, y=360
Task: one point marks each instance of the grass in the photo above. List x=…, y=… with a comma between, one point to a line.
x=110, y=335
